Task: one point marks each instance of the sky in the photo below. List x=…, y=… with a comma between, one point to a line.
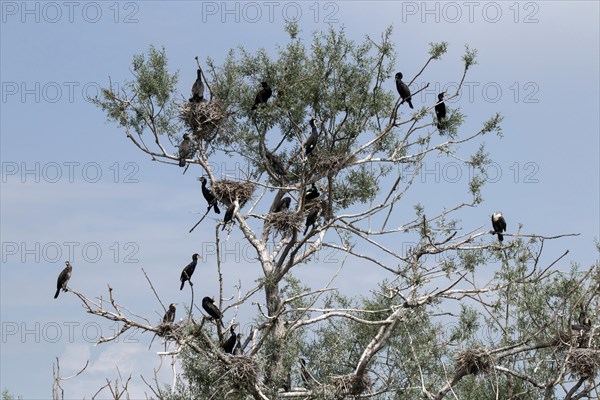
x=74, y=188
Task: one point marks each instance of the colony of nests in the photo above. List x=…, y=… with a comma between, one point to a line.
x=473, y=362
x=285, y=222
x=584, y=362
x=201, y=118
x=227, y=191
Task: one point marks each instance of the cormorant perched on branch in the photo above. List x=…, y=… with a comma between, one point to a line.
x=311, y=142
x=170, y=314
x=312, y=217
x=198, y=89
x=230, y=343
x=263, y=95
x=237, y=351
x=440, y=110
x=276, y=164
x=283, y=204
x=188, y=271
x=211, y=309
x=307, y=378
x=403, y=90
x=63, y=278
x=584, y=320
x=186, y=149
x=499, y=225
x=209, y=196
x=228, y=215
x=311, y=193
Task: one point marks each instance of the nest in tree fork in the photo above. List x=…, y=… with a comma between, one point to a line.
x=348, y=385
x=473, y=362
x=330, y=162
x=584, y=362
x=171, y=331
x=285, y=222
x=227, y=191
x=240, y=375
x=201, y=119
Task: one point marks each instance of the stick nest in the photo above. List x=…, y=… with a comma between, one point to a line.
x=171, y=331
x=473, y=362
x=346, y=385
x=227, y=191
x=584, y=362
x=285, y=222
x=203, y=118
x=244, y=370
x=331, y=161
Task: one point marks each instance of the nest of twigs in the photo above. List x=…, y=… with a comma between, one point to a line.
x=584, y=362
x=347, y=385
x=171, y=331
x=285, y=222
x=227, y=191
x=331, y=161
x=473, y=362
x=243, y=370
x=202, y=118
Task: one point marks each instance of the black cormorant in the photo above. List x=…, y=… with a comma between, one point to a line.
x=499, y=225
x=440, y=110
x=283, y=204
x=211, y=309
x=186, y=149
x=304, y=375
x=209, y=196
x=263, y=95
x=63, y=278
x=228, y=215
x=237, y=351
x=403, y=90
x=584, y=320
x=311, y=142
x=198, y=89
x=188, y=271
x=230, y=343
x=312, y=217
x=311, y=193
x=276, y=164
x=169, y=315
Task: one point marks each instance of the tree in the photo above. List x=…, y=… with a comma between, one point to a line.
x=513, y=335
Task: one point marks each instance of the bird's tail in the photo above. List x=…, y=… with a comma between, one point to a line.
x=182, y=283
x=409, y=102
x=216, y=208
x=57, y=293
x=306, y=230
x=253, y=107
x=182, y=162
x=500, y=237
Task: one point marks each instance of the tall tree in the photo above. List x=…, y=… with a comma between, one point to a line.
x=460, y=313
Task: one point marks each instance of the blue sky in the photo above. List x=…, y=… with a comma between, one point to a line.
x=88, y=189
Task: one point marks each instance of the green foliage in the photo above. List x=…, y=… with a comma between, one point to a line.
x=6, y=395
x=147, y=102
